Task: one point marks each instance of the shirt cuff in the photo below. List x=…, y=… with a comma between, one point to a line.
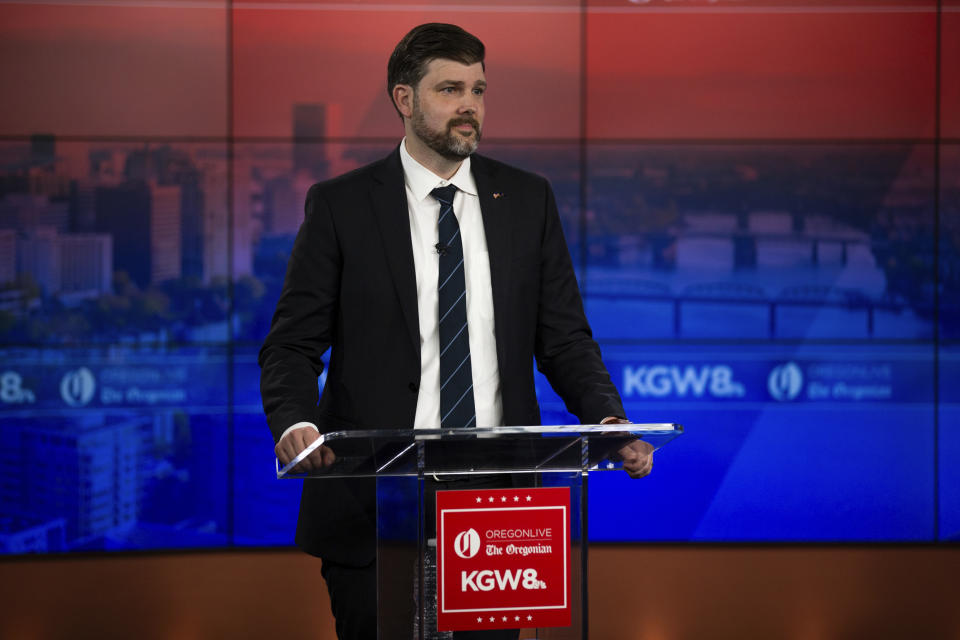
x=299, y=425
x=610, y=419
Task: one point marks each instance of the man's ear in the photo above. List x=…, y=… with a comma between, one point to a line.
x=403, y=99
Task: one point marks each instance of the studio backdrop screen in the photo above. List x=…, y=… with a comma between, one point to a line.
x=762, y=202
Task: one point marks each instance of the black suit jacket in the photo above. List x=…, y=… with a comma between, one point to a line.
x=350, y=284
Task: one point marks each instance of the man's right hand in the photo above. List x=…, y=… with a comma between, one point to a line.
x=296, y=441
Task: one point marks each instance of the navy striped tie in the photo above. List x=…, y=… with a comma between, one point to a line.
x=456, y=374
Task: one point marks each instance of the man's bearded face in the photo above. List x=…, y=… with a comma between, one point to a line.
x=446, y=140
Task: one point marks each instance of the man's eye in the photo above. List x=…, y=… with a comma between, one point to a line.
x=447, y=90
x=478, y=92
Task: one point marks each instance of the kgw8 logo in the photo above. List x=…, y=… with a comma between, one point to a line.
x=487, y=580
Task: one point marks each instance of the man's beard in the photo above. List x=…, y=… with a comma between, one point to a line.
x=448, y=144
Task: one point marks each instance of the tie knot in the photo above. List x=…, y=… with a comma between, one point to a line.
x=445, y=194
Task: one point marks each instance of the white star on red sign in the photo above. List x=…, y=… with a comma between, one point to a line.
x=479, y=619
x=504, y=618
x=479, y=499
x=516, y=498
x=529, y=618
x=503, y=498
x=491, y=618
x=529, y=498
x=491, y=499
x=516, y=618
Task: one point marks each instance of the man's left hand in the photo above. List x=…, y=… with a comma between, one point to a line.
x=637, y=456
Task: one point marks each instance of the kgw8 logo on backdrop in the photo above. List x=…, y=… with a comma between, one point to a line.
x=503, y=559
x=695, y=381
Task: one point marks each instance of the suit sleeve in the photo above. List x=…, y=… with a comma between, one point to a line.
x=565, y=349
x=303, y=324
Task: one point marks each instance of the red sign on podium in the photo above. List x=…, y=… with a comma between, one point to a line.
x=503, y=559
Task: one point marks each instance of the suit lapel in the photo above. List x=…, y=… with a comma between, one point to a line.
x=495, y=208
x=390, y=210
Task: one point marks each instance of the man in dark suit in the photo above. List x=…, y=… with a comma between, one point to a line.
x=433, y=318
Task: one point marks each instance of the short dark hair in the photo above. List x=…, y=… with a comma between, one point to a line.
x=431, y=41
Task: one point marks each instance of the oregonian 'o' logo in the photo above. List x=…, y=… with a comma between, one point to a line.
x=785, y=382
x=77, y=387
x=467, y=543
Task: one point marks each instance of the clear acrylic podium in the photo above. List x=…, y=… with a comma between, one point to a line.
x=409, y=464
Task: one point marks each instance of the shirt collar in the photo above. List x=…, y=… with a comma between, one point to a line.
x=422, y=181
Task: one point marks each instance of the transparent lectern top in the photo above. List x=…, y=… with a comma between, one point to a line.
x=413, y=452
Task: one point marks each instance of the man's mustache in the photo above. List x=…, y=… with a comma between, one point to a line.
x=464, y=120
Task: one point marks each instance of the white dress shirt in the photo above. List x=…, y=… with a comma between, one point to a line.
x=424, y=210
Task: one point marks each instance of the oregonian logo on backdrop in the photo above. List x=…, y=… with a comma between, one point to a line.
x=785, y=382
x=831, y=381
x=77, y=387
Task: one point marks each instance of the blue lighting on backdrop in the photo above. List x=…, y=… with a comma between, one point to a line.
x=778, y=304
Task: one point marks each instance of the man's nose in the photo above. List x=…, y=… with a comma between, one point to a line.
x=469, y=104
